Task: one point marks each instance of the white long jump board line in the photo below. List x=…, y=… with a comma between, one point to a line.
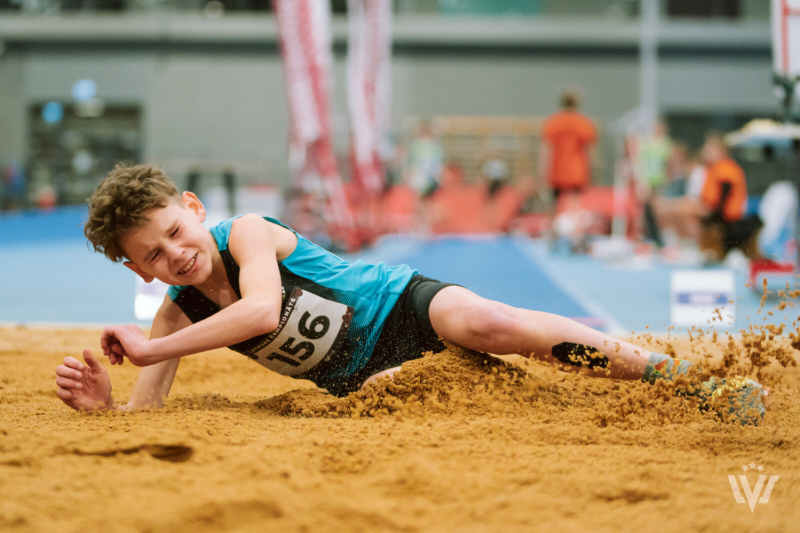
x=529, y=250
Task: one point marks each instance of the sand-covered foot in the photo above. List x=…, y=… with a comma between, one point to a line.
x=735, y=398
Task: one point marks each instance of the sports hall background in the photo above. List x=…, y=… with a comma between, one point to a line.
x=199, y=88
x=186, y=88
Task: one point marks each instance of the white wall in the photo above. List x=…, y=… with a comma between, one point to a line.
x=523, y=86
x=717, y=85
x=218, y=107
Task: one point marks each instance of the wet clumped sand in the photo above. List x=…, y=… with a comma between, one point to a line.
x=455, y=382
x=456, y=441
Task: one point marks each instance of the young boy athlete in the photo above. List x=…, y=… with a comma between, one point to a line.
x=254, y=285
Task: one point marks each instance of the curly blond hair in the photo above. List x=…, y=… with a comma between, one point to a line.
x=120, y=202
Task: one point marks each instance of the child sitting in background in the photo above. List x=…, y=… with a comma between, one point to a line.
x=573, y=224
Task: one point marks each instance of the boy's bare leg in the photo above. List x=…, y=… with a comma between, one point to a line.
x=464, y=318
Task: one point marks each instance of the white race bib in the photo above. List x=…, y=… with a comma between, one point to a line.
x=311, y=329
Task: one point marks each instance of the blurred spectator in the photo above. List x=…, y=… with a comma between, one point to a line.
x=573, y=224
x=456, y=206
x=425, y=160
x=697, y=177
x=399, y=210
x=12, y=187
x=778, y=210
x=505, y=203
x=654, y=157
x=724, y=190
x=495, y=171
x=716, y=218
x=679, y=166
x=564, y=159
x=305, y=210
x=724, y=196
x=679, y=214
x=652, y=172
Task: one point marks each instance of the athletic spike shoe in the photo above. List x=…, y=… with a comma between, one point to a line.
x=745, y=398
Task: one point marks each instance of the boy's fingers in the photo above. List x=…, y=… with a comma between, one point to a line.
x=64, y=394
x=66, y=383
x=66, y=372
x=106, y=340
x=73, y=363
x=93, y=363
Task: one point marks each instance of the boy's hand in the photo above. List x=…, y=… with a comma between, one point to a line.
x=129, y=341
x=84, y=387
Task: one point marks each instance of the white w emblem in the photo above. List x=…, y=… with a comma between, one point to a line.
x=752, y=495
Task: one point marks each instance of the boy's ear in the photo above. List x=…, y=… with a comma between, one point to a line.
x=139, y=272
x=193, y=203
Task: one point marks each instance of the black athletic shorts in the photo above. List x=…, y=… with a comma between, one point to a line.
x=407, y=334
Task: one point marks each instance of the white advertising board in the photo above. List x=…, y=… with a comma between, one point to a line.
x=702, y=298
x=148, y=298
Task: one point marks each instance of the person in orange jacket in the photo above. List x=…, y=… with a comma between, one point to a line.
x=717, y=218
x=724, y=197
x=565, y=158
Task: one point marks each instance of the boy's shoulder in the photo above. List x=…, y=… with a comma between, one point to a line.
x=252, y=228
x=253, y=223
x=250, y=219
x=239, y=224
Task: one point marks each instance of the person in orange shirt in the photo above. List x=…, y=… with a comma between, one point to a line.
x=725, y=190
x=724, y=197
x=564, y=160
x=567, y=137
x=717, y=218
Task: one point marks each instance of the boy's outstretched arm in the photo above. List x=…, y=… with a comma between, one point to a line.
x=87, y=387
x=252, y=245
x=155, y=381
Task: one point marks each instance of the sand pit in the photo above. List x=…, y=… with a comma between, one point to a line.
x=456, y=443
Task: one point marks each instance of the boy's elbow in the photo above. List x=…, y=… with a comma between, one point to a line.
x=265, y=318
x=271, y=323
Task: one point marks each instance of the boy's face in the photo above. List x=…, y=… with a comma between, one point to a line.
x=173, y=246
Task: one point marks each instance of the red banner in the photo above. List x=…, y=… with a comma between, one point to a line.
x=368, y=86
x=305, y=33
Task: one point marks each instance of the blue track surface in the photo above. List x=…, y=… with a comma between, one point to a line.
x=49, y=274
x=495, y=269
x=39, y=227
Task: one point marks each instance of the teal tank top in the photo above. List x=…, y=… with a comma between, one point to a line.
x=332, y=312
